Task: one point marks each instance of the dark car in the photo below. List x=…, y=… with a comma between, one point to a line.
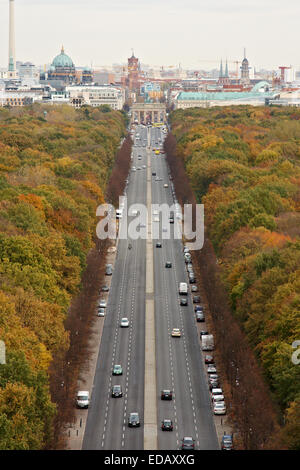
x=200, y=316
x=167, y=425
x=153, y=173
x=198, y=308
x=227, y=442
x=196, y=299
x=208, y=359
x=158, y=245
x=134, y=420
x=213, y=383
x=183, y=301
x=203, y=332
x=166, y=395
x=116, y=391
x=187, y=443
x=168, y=264
x=192, y=278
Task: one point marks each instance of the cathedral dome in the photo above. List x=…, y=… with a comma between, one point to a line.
x=62, y=60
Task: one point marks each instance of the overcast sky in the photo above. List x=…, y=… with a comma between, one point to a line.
x=195, y=33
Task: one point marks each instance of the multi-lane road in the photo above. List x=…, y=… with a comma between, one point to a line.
x=179, y=365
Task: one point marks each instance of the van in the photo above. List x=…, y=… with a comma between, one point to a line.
x=83, y=399
x=183, y=289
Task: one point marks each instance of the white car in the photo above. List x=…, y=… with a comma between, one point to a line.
x=216, y=391
x=219, y=408
x=166, y=185
x=83, y=399
x=211, y=369
x=101, y=312
x=156, y=218
x=102, y=303
x=124, y=323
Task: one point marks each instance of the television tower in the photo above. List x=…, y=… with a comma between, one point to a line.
x=12, y=52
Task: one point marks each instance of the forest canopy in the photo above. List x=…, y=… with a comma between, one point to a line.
x=54, y=171
x=243, y=164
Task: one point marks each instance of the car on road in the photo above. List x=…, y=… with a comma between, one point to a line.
x=124, y=323
x=219, y=408
x=168, y=264
x=211, y=369
x=187, y=443
x=117, y=370
x=198, y=308
x=200, y=316
x=166, y=185
x=156, y=218
x=116, y=391
x=203, y=332
x=134, y=420
x=227, y=442
x=213, y=383
x=164, y=229
x=101, y=312
x=158, y=245
x=171, y=220
x=217, y=391
x=166, y=395
x=82, y=399
x=167, y=425
x=153, y=173
x=196, y=299
x=176, y=333
x=108, y=270
x=102, y=303
x=218, y=398
x=183, y=302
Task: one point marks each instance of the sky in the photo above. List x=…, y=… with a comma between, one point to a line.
x=193, y=33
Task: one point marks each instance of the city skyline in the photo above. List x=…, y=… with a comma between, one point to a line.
x=106, y=33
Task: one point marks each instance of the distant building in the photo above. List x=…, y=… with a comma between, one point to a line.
x=62, y=68
x=96, y=96
x=245, y=71
x=133, y=72
x=103, y=78
x=223, y=76
x=28, y=74
x=256, y=97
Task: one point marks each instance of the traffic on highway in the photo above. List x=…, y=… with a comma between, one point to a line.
x=187, y=391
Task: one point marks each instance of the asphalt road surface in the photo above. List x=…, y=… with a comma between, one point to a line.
x=178, y=360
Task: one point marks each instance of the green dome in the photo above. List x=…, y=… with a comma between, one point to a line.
x=62, y=60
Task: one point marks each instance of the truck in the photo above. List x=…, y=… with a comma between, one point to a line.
x=183, y=288
x=207, y=342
